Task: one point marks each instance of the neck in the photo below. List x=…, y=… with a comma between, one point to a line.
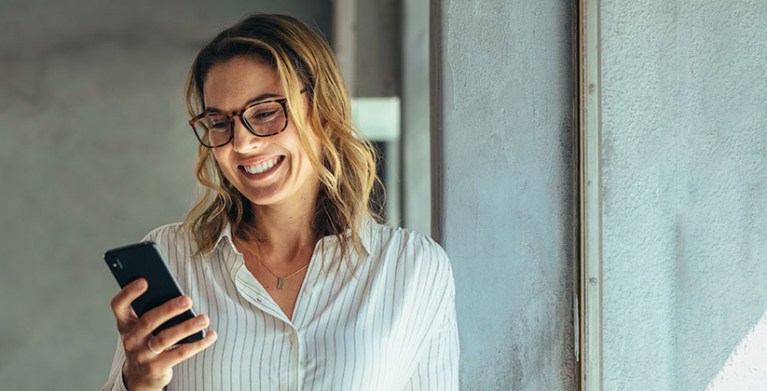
x=286, y=230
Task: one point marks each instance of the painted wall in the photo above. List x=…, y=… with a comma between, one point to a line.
x=684, y=145
x=506, y=198
x=95, y=152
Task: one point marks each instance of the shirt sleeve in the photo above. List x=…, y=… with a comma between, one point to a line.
x=115, y=381
x=438, y=367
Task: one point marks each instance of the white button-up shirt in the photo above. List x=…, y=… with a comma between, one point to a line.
x=387, y=325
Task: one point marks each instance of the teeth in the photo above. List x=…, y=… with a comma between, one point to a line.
x=261, y=167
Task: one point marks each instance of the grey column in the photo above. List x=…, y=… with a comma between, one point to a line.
x=504, y=167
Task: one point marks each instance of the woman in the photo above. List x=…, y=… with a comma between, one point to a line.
x=299, y=287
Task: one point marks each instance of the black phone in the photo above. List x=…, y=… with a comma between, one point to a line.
x=146, y=260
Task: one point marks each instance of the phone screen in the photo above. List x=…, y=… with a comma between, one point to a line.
x=146, y=260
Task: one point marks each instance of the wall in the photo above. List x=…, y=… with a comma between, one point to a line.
x=414, y=142
x=684, y=140
x=504, y=196
x=95, y=152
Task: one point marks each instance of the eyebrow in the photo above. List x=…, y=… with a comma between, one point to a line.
x=248, y=103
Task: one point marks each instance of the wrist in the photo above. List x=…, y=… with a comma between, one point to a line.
x=132, y=385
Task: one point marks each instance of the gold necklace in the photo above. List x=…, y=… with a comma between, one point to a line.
x=281, y=280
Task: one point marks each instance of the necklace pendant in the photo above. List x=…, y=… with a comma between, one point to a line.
x=280, y=283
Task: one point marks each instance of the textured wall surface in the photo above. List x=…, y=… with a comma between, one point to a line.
x=95, y=152
x=507, y=193
x=685, y=190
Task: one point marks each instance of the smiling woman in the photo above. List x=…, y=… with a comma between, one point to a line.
x=282, y=255
x=265, y=170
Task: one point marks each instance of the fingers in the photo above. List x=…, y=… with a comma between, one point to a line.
x=121, y=303
x=155, y=317
x=143, y=366
x=152, y=349
x=184, y=351
x=168, y=338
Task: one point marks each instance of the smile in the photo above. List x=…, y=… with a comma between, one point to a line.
x=263, y=166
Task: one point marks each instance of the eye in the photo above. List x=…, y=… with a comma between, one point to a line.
x=264, y=115
x=217, y=123
x=220, y=125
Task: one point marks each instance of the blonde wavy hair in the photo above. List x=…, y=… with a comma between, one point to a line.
x=346, y=166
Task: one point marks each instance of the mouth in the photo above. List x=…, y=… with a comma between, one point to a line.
x=263, y=168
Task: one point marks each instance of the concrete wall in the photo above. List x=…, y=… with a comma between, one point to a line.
x=505, y=199
x=95, y=152
x=414, y=142
x=379, y=48
x=684, y=144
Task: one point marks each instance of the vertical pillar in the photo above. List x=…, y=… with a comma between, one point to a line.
x=504, y=168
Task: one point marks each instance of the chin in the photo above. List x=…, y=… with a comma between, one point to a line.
x=262, y=197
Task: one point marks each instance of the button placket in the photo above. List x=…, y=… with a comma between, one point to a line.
x=253, y=292
x=298, y=371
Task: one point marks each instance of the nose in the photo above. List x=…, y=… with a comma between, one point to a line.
x=242, y=139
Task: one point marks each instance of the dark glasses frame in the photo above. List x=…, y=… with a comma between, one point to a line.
x=238, y=113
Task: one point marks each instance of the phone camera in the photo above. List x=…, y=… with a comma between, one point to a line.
x=117, y=264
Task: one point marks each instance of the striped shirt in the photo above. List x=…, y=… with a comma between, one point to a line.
x=387, y=325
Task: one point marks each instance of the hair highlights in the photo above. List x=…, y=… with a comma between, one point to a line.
x=346, y=167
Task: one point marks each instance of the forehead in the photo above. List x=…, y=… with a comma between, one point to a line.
x=231, y=84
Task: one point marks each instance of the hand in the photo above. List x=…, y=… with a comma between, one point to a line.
x=144, y=369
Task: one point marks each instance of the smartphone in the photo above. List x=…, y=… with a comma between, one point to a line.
x=146, y=260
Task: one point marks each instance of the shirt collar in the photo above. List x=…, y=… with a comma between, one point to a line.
x=365, y=233
x=225, y=236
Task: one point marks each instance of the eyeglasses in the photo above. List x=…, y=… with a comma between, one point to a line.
x=263, y=119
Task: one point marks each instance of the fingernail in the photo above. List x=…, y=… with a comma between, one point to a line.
x=182, y=301
x=201, y=320
x=213, y=335
x=138, y=285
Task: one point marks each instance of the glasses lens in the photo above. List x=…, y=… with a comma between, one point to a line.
x=266, y=119
x=213, y=130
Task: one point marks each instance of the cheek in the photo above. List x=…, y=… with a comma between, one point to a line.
x=219, y=159
x=306, y=155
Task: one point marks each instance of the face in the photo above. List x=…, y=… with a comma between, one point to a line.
x=268, y=171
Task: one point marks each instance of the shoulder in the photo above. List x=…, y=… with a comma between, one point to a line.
x=384, y=237
x=418, y=257
x=165, y=233
x=417, y=274
x=173, y=239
